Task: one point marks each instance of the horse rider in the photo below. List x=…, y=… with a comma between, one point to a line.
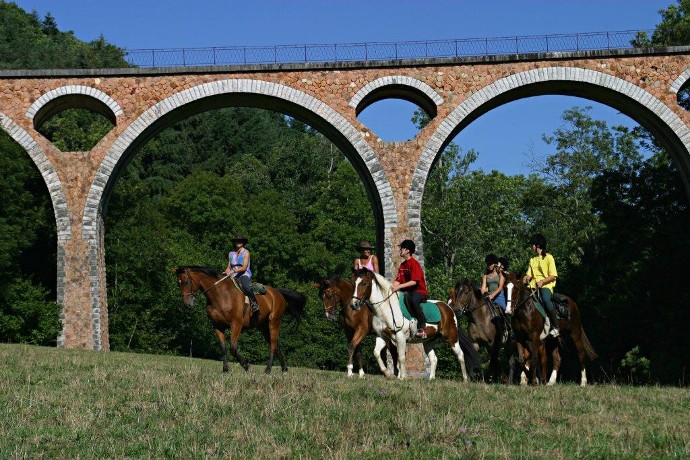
x=542, y=275
x=366, y=259
x=410, y=280
x=239, y=268
x=493, y=282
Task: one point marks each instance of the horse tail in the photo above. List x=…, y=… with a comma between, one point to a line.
x=589, y=349
x=472, y=358
x=295, y=302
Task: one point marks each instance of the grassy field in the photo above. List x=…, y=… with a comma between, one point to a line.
x=57, y=403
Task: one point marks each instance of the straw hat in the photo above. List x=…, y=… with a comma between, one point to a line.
x=364, y=245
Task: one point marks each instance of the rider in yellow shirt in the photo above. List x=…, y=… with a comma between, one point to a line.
x=542, y=275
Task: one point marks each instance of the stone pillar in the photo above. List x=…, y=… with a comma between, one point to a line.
x=399, y=160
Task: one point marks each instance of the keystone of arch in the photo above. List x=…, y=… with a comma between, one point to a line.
x=45, y=167
x=549, y=74
x=397, y=86
x=246, y=86
x=72, y=96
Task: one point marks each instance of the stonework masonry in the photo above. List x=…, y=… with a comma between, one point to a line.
x=641, y=83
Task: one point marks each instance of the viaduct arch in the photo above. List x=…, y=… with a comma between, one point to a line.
x=329, y=96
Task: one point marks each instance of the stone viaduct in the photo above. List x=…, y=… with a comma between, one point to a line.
x=141, y=102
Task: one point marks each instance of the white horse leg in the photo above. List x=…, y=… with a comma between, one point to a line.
x=433, y=360
x=401, y=340
x=361, y=373
x=523, y=376
x=552, y=380
x=461, y=360
x=378, y=347
x=349, y=370
x=583, y=378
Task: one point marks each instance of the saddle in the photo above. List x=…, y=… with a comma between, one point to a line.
x=560, y=302
x=430, y=309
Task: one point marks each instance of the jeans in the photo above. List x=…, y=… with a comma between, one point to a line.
x=545, y=294
x=413, y=301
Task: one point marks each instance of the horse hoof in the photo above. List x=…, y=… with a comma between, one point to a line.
x=267, y=371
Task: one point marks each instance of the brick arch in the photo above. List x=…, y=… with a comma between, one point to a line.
x=310, y=109
x=616, y=92
x=69, y=97
x=45, y=167
x=399, y=87
x=679, y=82
x=57, y=196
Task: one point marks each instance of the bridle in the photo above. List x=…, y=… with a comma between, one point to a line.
x=372, y=305
x=333, y=299
x=189, y=285
x=464, y=309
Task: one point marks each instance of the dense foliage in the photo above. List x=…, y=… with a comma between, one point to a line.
x=610, y=202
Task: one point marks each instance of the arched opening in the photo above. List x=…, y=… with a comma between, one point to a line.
x=633, y=215
x=74, y=118
x=225, y=165
x=391, y=120
x=389, y=106
x=28, y=253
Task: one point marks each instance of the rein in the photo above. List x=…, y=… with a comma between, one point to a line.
x=390, y=306
x=195, y=293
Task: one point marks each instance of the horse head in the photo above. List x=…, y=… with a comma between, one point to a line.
x=330, y=295
x=188, y=285
x=362, y=280
x=461, y=295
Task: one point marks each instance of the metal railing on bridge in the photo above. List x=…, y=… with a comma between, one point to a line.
x=382, y=51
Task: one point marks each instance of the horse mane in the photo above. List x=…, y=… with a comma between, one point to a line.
x=210, y=271
x=469, y=281
x=382, y=283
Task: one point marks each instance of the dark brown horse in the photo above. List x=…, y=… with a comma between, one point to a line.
x=226, y=308
x=528, y=325
x=336, y=291
x=485, y=329
x=390, y=324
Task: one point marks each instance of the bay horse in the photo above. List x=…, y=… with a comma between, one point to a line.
x=337, y=291
x=484, y=329
x=226, y=308
x=528, y=325
x=389, y=323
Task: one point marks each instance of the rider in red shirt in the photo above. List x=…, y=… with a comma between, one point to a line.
x=410, y=280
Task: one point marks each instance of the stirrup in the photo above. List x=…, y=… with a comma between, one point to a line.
x=554, y=332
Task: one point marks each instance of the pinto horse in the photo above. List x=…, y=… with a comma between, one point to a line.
x=335, y=291
x=484, y=329
x=226, y=308
x=389, y=323
x=528, y=325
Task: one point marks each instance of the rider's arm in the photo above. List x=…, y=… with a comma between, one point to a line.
x=375, y=263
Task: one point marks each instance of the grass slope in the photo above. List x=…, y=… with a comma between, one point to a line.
x=57, y=403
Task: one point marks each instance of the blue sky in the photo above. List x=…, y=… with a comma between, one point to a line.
x=502, y=137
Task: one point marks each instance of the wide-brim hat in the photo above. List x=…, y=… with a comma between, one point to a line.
x=364, y=245
x=240, y=238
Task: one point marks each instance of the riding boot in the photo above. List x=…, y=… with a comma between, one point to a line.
x=553, y=316
x=252, y=301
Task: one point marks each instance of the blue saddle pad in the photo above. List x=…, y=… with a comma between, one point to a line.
x=431, y=311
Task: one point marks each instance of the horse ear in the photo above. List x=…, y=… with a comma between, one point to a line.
x=316, y=285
